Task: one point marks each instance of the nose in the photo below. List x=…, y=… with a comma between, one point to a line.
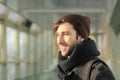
x=60, y=39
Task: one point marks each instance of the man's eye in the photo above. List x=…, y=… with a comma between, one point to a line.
x=56, y=35
x=66, y=33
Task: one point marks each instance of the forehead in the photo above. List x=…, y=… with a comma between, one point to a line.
x=65, y=27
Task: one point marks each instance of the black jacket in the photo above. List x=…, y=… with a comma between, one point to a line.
x=73, y=68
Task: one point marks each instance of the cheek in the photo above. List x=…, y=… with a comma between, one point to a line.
x=70, y=40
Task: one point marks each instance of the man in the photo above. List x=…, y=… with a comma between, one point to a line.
x=77, y=58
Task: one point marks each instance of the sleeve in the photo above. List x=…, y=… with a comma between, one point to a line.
x=101, y=72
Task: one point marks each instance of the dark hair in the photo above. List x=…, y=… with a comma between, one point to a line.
x=80, y=23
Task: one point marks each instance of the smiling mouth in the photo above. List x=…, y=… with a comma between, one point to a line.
x=63, y=48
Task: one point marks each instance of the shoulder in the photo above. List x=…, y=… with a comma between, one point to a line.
x=100, y=71
x=94, y=69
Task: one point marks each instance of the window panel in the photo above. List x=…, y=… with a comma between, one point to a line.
x=10, y=44
x=32, y=48
x=23, y=46
x=11, y=71
x=23, y=68
x=0, y=72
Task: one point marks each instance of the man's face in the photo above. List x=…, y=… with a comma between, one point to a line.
x=66, y=38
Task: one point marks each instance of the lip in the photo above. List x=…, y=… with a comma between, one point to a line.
x=63, y=48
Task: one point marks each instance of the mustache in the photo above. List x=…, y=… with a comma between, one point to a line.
x=63, y=44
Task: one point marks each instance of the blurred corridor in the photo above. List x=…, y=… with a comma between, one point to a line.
x=28, y=49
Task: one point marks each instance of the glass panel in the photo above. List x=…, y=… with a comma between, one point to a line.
x=0, y=39
x=23, y=53
x=23, y=68
x=11, y=71
x=32, y=47
x=32, y=53
x=23, y=46
x=10, y=44
x=0, y=72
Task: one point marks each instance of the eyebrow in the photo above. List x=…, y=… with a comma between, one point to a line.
x=66, y=31
x=62, y=32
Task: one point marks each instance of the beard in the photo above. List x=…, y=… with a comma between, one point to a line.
x=70, y=50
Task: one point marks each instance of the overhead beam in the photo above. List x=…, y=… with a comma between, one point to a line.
x=64, y=10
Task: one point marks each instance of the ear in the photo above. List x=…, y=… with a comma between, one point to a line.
x=80, y=39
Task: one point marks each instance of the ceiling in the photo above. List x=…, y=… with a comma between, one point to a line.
x=46, y=12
